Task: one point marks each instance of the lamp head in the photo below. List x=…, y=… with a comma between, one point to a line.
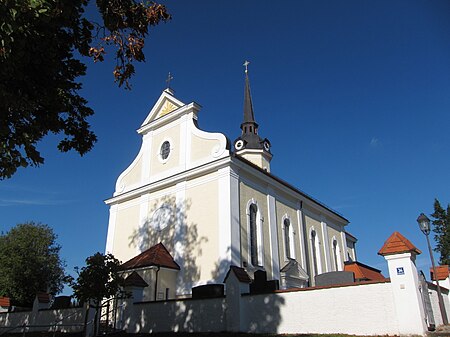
x=424, y=223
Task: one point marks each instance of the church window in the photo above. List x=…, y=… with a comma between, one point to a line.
x=289, y=238
x=336, y=255
x=255, y=250
x=253, y=235
x=165, y=150
x=314, y=251
x=287, y=243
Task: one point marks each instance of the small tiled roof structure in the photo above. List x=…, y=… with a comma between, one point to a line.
x=43, y=297
x=157, y=255
x=397, y=244
x=363, y=272
x=441, y=271
x=5, y=302
x=240, y=273
x=135, y=280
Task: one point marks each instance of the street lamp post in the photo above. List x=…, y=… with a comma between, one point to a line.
x=424, y=224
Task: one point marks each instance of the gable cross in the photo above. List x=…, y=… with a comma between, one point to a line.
x=169, y=78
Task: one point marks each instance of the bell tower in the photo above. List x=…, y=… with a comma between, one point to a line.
x=250, y=145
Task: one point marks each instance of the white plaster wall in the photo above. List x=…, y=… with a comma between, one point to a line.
x=178, y=315
x=435, y=305
x=14, y=319
x=73, y=319
x=362, y=310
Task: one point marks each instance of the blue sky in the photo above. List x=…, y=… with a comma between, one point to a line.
x=353, y=95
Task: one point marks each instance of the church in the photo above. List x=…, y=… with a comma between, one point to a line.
x=192, y=204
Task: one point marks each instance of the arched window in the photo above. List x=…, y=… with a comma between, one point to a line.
x=314, y=251
x=288, y=237
x=287, y=240
x=253, y=212
x=336, y=255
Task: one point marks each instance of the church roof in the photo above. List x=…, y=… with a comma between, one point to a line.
x=363, y=272
x=157, y=255
x=442, y=273
x=249, y=126
x=135, y=280
x=397, y=244
x=350, y=236
x=283, y=182
x=249, y=116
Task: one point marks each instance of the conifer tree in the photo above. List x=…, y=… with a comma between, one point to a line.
x=441, y=228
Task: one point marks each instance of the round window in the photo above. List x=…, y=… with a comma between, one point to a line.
x=165, y=150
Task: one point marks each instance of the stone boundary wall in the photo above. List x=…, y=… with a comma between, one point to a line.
x=64, y=320
x=365, y=309
x=191, y=315
x=432, y=290
x=392, y=306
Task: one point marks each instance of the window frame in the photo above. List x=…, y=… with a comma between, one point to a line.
x=259, y=236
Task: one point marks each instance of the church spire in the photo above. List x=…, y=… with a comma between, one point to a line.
x=250, y=145
x=249, y=126
x=248, y=106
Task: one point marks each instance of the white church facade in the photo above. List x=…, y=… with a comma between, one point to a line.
x=191, y=204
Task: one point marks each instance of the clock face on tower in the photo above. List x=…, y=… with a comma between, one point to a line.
x=266, y=146
x=239, y=144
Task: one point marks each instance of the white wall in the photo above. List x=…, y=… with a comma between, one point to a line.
x=73, y=320
x=175, y=315
x=435, y=303
x=360, y=309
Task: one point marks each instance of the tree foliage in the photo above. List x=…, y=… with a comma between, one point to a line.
x=441, y=228
x=40, y=42
x=99, y=279
x=30, y=263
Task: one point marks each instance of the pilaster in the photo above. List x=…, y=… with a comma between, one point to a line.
x=274, y=253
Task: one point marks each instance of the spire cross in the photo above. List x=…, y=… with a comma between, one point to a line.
x=169, y=78
x=246, y=63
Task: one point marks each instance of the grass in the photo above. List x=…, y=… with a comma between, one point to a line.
x=180, y=334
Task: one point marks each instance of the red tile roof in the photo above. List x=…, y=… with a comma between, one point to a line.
x=396, y=244
x=135, y=280
x=157, y=255
x=43, y=297
x=5, y=302
x=441, y=271
x=363, y=272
